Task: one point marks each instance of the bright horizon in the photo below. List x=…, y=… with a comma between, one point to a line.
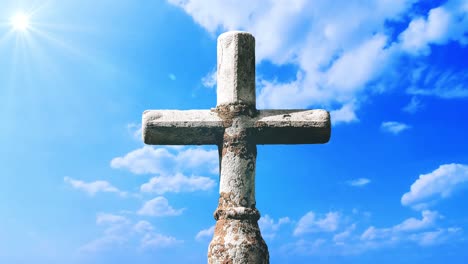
x=77, y=184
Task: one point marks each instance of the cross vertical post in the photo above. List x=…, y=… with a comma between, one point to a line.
x=236, y=127
x=237, y=236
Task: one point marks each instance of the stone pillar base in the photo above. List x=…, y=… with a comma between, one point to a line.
x=237, y=242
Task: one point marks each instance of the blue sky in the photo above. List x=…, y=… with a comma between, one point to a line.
x=77, y=185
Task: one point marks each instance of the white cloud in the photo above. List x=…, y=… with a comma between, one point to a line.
x=177, y=183
x=274, y=94
x=359, y=182
x=94, y=187
x=205, y=233
x=152, y=241
x=340, y=238
x=443, y=24
x=115, y=224
x=209, y=80
x=199, y=158
x=269, y=227
x=458, y=91
x=339, y=48
x=399, y=232
x=446, y=84
x=281, y=26
x=145, y=160
x=413, y=106
x=421, y=32
x=159, y=206
x=438, y=236
x=394, y=127
x=167, y=160
x=436, y=185
x=143, y=227
x=346, y=114
x=317, y=246
x=412, y=224
x=350, y=240
x=120, y=232
x=309, y=223
x=351, y=72
x=135, y=130
x=102, y=243
x=105, y=218
x=341, y=83
x=421, y=231
x=114, y=233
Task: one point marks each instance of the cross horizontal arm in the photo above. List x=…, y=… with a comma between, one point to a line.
x=292, y=127
x=174, y=127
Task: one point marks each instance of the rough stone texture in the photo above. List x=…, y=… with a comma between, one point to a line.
x=173, y=127
x=236, y=126
x=294, y=126
x=237, y=238
x=236, y=68
x=196, y=127
x=237, y=241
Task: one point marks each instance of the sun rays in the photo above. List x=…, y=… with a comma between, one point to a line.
x=38, y=48
x=34, y=38
x=20, y=22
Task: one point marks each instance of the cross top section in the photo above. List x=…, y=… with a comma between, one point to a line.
x=236, y=68
x=235, y=97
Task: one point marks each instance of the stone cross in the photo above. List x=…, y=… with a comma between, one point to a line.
x=236, y=127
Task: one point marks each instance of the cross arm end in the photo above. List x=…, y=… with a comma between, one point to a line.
x=175, y=127
x=293, y=127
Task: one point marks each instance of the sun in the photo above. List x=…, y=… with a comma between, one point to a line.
x=20, y=22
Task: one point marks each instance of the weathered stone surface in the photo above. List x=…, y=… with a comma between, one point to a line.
x=237, y=238
x=238, y=169
x=236, y=126
x=236, y=68
x=294, y=126
x=237, y=242
x=196, y=127
x=173, y=127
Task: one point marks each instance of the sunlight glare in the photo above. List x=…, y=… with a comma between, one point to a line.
x=20, y=22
